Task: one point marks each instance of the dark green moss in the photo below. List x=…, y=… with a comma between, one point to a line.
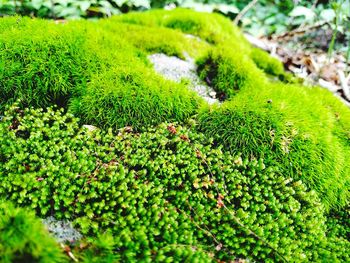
x=169, y=192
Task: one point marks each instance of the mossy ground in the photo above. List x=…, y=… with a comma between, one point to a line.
x=171, y=192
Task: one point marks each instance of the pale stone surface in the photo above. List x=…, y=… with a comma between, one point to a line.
x=61, y=230
x=176, y=69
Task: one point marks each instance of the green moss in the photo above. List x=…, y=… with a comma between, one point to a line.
x=228, y=71
x=267, y=63
x=169, y=192
x=294, y=127
x=155, y=39
x=81, y=62
x=41, y=63
x=23, y=238
x=134, y=96
x=213, y=28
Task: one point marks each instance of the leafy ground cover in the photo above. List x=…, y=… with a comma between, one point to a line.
x=167, y=177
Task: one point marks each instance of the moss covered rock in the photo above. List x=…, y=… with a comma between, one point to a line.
x=256, y=179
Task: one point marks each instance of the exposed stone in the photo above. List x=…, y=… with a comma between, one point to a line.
x=176, y=69
x=62, y=230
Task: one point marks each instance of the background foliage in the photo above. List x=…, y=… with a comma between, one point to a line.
x=266, y=17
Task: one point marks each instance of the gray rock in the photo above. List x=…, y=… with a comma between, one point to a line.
x=62, y=230
x=176, y=69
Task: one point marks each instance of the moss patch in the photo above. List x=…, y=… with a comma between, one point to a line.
x=293, y=126
x=169, y=192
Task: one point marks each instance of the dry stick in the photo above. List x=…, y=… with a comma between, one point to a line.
x=251, y=232
x=244, y=11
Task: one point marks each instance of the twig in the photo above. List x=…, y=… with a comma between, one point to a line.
x=244, y=11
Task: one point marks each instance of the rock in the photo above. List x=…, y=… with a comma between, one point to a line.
x=62, y=231
x=176, y=69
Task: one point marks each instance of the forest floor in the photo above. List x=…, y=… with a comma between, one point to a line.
x=305, y=54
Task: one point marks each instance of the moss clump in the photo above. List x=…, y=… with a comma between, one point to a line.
x=229, y=72
x=155, y=39
x=293, y=126
x=42, y=63
x=267, y=63
x=69, y=64
x=166, y=193
x=24, y=239
x=124, y=98
x=212, y=28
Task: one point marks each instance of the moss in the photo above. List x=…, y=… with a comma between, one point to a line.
x=292, y=126
x=169, y=192
x=41, y=63
x=23, y=238
x=213, y=28
x=229, y=71
x=267, y=63
x=156, y=39
x=133, y=95
x=69, y=64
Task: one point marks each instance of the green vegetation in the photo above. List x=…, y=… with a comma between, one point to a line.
x=41, y=63
x=76, y=64
x=169, y=189
x=267, y=63
x=24, y=239
x=299, y=128
x=228, y=71
x=263, y=175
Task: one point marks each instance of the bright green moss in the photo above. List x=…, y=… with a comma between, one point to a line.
x=267, y=63
x=134, y=96
x=87, y=66
x=40, y=62
x=213, y=28
x=228, y=71
x=169, y=192
x=294, y=127
x=156, y=39
x=23, y=238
